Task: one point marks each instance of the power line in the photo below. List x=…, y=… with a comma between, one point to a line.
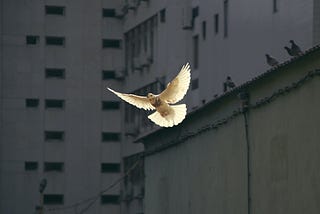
x=93, y=199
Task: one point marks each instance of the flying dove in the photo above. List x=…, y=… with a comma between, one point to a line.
x=295, y=49
x=166, y=115
x=271, y=61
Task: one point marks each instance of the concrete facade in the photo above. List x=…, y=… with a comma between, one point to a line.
x=81, y=148
x=219, y=162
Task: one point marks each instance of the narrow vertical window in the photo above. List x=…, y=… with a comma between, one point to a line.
x=225, y=14
x=163, y=15
x=216, y=23
x=196, y=51
x=194, y=84
x=275, y=6
x=204, y=30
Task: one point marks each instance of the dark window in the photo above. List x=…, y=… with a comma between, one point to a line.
x=225, y=18
x=110, y=167
x=216, y=23
x=30, y=165
x=108, y=12
x=108, y=74
x=55, y=40
x=110, y=136
x=275, y=6
x=195, y=84
x=52, y=103
x=52, y=199
x=204, y=30
x=54, y=135
x=32, y=40
x=32, y=103
x=111, y=43
x=195, y=52
x=110, y=105
x=163, y=15
x=55, y=10
x=53, y=166
x=58, y=73
x=110, y=199
x=195, y=12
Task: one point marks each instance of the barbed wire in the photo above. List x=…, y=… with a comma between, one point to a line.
x=218, y=123
x=91, y=200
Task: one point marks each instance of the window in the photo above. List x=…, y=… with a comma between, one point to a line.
x=163, y=15
x=58, y=73
x=110, y=105
x=110, y=167
x=110, y=199
x=106, y=12
x=108, y=74
x=110, y=136
x=216, y=23
x=53, y=166
x=196, y=51
x=54, y=135
x=53, y=199
x=204, y=30
x=52, y=103
x=55, y=40
x=275, y=6
x=111, y=43
x=32, y=103
x=30, y=166
x=55, y=10
x=195, y=84
x=32, y=40
x=225, y=18
x=195, y=12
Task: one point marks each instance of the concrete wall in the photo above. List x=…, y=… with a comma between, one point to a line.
x=208, y=172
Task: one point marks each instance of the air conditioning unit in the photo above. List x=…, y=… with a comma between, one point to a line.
x=132, y=4
x=137, y=63
x=120, y=74
x=121, y=12
x=187, y=18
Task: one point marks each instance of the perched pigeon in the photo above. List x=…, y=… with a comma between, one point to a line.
x=289, y=50
x=228, y=84
x=295, y=49
x=271, y=61
x=166, y=115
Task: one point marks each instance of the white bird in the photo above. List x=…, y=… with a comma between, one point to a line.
x=166, y=115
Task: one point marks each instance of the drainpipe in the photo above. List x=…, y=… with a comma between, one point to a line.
x=244, y=97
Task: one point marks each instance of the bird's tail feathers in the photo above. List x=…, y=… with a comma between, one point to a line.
x=176, y=115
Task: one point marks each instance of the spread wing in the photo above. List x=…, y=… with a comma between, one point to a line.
x=178, y=87
x=138, y=101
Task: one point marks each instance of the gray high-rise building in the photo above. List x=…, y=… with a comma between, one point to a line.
x=57, y=57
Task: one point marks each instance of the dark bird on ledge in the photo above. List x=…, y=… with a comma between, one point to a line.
x=228, y=84
x=289, y=50
x=271, y=61
x=295, y=49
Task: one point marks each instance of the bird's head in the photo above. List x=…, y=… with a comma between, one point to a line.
x=150, y=95
x=267, y=55
x=291, y=41
x=228, y=78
